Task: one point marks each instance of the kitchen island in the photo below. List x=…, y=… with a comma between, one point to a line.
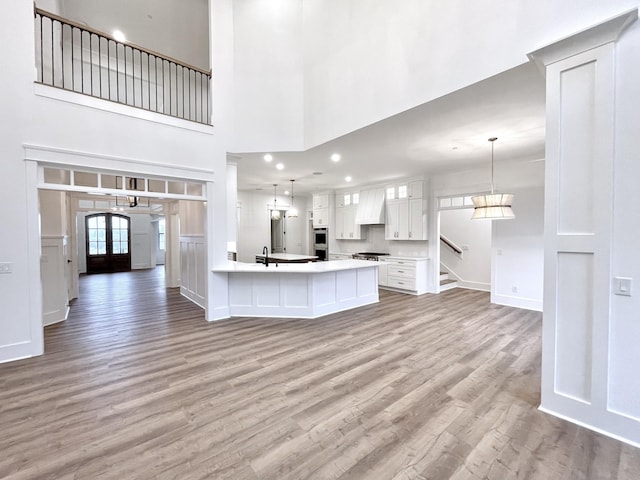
x=299, y=290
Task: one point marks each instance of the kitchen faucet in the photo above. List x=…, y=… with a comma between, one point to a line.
x=265, y=252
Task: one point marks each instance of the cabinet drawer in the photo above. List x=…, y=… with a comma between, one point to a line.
x=407, y=271
x=401, y=282
x=404, y=263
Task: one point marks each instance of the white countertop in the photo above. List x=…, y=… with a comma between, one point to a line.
x=311, y=267
x=287, y=256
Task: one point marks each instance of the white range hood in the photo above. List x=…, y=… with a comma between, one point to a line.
x=371, y=207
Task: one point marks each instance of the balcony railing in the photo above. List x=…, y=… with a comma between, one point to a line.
x=83, y=60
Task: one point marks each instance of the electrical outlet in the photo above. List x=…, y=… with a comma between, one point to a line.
x=5, y=267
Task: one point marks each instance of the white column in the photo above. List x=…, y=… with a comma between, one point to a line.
x=581, y=91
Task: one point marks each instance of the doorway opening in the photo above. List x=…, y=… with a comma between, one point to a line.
x=109, y=223
x=464, y=246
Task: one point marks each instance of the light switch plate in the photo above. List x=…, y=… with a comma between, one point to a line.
x=5, y=267
x=622, y=286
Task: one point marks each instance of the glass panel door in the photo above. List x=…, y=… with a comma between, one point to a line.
x=108, y=240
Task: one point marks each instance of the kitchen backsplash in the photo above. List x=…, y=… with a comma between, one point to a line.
x=375, y=242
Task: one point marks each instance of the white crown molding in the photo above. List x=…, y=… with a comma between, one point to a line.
x=587, y=39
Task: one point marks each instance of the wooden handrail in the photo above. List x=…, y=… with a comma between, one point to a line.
x=450, y=244
x=148, y=51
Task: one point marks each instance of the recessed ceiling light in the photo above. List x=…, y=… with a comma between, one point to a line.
x=317, y=173
x=268, y=157
x=335, y=157
x=118, y=36
x=286, y=192
x=347, y=178
x=280, y=166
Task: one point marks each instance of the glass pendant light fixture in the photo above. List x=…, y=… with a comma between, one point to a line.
x=293, y=211
x=493, y=206
x=275, y=213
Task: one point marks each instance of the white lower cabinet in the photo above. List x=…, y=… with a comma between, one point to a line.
x=408, y=275
x=383, y=274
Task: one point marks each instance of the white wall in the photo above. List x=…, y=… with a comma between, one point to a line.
x=473, y=268
x=308, y=71
x=178, y=29
x=517, y=253
x=624, y=384
x=366, y=61
x=20, y=291
x=268, y=80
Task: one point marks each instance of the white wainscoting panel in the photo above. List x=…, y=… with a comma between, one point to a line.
x=192, y=268
x=53, y=262
x=574, y=325
x=346, y=285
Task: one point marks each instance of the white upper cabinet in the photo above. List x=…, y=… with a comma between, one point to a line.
x=321, y=201
x=321, y=210
x=406, y=218
x=345, y=217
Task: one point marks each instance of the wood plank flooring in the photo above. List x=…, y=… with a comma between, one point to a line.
x=137, y=385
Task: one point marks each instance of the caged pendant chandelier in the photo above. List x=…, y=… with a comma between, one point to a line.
x=293, y=211
x=275, y=213
x=493, y=206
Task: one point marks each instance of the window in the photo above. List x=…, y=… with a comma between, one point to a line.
x=120, y=234
x=347, y=199
x=162, y=234
x=97, y=234
x=355, y=198
x=402, y=191
x=391, y=193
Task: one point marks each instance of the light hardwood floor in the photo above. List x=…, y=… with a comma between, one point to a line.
x=137, y=385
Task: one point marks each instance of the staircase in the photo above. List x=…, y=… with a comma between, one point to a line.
x=446, y=283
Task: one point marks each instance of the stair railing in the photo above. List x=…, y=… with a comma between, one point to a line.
x=81, y=59
x=451, y=245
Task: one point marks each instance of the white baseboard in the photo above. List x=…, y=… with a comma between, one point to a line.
x=198, y=300
x=219, y=313
x=17, y=351
x=462, y=283
x=485, y=287
x=518, y=302
x=589, y=427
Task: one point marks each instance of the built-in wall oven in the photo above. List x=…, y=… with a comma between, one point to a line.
x=321, y=243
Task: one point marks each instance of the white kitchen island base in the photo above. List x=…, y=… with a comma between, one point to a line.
x=300, y=290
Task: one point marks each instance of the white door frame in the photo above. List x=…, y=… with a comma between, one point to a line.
x=36, y=156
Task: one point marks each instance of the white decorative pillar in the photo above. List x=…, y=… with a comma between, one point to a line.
x=581, y=92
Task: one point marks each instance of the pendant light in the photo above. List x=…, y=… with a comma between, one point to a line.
x=275, y=213
x=493, y=206
x=293, y=211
